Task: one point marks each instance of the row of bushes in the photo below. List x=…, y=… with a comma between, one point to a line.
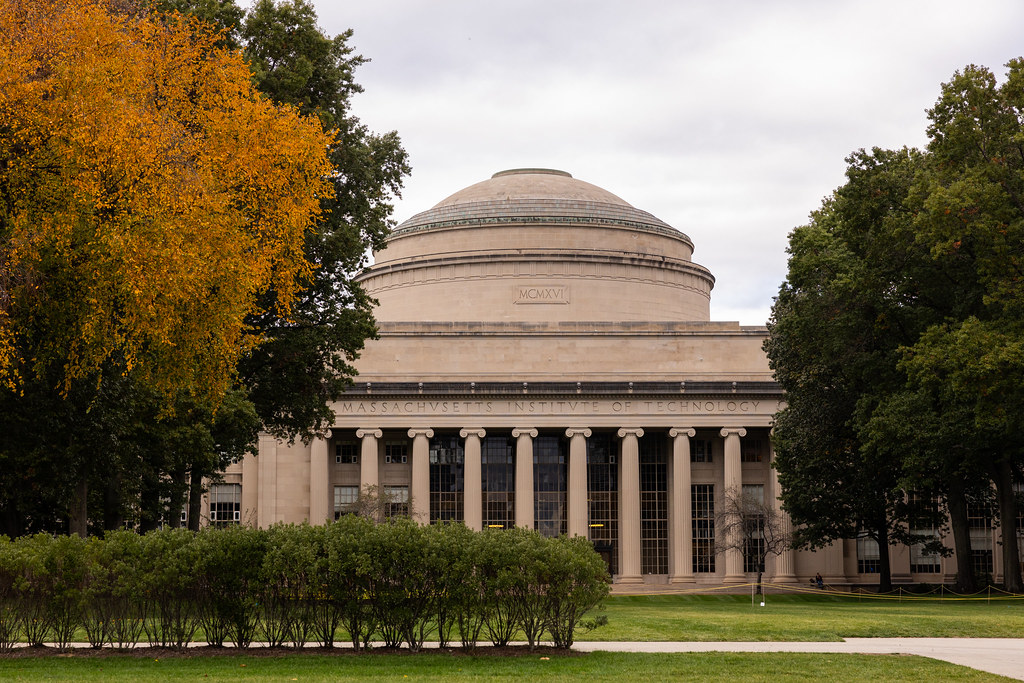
x=398, y=582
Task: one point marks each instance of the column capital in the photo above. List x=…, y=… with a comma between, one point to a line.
x=420, y=431
x=682, y=431
x=376, y=433
x=738, y=431
x=524, y=431
x=472, y=431
x=578, y=431
x=631, y=431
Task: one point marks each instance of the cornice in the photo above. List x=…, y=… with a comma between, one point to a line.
x=518, y=390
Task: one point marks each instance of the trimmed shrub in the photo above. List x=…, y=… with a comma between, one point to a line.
x=171, y=564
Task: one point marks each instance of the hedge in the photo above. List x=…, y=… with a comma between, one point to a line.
x=396, y=582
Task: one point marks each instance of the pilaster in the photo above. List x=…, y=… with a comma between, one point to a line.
x=369, y=457
x=319, y=482
x=579, y=516
x=472, y=496
x=419, y=491
x=524, y=475
x=680, y=514
x=629, y=506
x=733, y=481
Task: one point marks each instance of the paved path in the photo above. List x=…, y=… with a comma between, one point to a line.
x=1003, y=656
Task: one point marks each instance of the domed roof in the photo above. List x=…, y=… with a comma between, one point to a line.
x=531, y=183
x=524, y=195
x=532, y=246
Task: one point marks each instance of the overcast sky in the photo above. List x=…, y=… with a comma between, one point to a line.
x=729, y=120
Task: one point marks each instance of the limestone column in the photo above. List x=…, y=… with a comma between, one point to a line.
x=266, y=508
x=524, y=475
x=733, y=485
x=785, y=561
x=319, y=482
x=419, y=492
x=680, y=516
x=250, y=490
x=629, y=506
x=368, y=465
x=472, y=496
x=579, y=517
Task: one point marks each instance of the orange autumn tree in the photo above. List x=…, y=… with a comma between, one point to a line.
x=148, y=197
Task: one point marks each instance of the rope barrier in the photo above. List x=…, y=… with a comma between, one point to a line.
x=899, y=594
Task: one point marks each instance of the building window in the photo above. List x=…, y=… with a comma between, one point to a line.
x=753, y=527
x=498, y=475
x=346, y=499
x=396, y=501
x=396, y=452
x=346, y=453
x=603, y=497
x=702, y=502
x=653, y=506
x=447, y=469
x=923, y=514
x=225, y=504
x=979, y=520
x=752, y=450
x=700, y=450
x=867, y=555
x=549, y=485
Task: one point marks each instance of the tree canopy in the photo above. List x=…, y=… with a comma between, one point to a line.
x=148, y=200
x=897, y=335
x=179, y=235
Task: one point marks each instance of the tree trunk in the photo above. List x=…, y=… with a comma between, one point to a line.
x=78, y=517
x=195, y=499
x=884, y=566
x=1008, y=525
x=112, y=517
x=11, y=523
x=956, y=502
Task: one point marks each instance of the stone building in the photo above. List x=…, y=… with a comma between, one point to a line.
x=547, y=359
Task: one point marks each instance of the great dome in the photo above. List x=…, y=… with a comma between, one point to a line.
x=537, y=245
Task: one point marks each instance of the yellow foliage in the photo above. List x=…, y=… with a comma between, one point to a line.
x=148, y=195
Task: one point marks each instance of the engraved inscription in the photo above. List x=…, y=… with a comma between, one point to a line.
x=540, y=293
x=559, y=407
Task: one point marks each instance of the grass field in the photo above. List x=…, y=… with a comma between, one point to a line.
x=802, y=617
x=640, y=618
x=599, y=666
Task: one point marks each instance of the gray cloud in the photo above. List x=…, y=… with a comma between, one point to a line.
x=729, y=120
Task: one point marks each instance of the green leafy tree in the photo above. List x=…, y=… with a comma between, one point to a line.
x=110, y=443
x=834, y=338
x=307, y=358
x=898, y=334
x=972, y=215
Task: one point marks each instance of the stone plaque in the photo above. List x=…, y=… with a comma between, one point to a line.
x=540, y=293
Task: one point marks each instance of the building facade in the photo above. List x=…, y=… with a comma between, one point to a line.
x=547, y=359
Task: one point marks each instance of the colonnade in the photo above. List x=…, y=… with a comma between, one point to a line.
x=577, y=516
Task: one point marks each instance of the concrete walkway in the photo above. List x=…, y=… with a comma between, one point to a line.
x=1003, y=656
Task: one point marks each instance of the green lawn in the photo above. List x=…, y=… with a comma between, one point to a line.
x=802, y=617
x=601, y=666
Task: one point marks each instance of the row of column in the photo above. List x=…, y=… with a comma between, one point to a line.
x=680, y=515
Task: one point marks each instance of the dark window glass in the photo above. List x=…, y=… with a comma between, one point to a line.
x=603, y=497
x=702, y=502
x=549, y=485
x=653, y=505
x=447, y=470
x=498, y=474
